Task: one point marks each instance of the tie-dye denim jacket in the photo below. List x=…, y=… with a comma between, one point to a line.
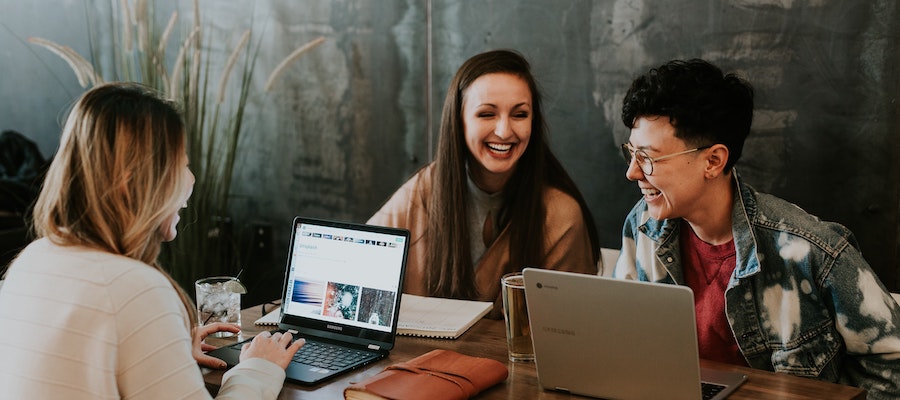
x=802, y=300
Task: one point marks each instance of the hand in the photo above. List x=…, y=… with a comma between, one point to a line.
x=276, y=348
x=199, y=348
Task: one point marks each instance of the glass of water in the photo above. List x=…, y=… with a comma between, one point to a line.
x=515, y=313
x=219, y=300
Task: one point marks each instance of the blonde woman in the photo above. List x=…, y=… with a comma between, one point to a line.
x=86, y=312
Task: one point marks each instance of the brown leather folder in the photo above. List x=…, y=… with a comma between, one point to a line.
x=436, y=375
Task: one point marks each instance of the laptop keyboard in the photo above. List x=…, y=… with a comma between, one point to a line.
x=327, y=356
x=710, y=390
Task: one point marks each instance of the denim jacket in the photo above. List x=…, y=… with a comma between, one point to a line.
x=802, y=300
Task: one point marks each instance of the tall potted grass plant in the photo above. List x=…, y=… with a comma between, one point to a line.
x=213, y=112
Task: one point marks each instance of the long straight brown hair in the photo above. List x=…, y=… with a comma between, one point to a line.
x=116, y=176
x=450, y=272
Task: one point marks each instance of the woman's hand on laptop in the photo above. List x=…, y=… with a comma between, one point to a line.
x=200, y=348
x=277, y=348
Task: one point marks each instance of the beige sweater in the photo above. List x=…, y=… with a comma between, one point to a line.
x=79, y=323
x=567, y=243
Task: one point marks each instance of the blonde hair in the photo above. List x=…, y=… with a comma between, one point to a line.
x=116, y=176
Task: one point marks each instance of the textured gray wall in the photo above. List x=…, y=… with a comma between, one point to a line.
x=352, y=119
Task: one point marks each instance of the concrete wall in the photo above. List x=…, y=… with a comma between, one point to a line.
x=355, y=117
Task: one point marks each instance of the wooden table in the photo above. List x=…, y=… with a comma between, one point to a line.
x=487, y=339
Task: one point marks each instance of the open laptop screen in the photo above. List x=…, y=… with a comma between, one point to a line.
x=344, y=278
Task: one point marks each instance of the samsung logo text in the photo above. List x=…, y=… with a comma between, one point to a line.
x=559, y=331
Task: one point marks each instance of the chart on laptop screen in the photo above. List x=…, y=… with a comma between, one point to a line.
x=345, y=276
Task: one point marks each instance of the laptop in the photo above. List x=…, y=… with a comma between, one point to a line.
x=618, y=339
x=341, y=293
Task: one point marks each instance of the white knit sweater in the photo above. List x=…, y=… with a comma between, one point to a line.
x=78, y=323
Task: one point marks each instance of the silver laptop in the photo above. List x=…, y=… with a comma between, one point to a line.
x=618, y=339
x=342, y=286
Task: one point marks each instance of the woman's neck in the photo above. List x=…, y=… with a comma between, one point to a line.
x=487, y=181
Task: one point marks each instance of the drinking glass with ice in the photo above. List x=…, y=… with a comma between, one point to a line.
x=219, y=300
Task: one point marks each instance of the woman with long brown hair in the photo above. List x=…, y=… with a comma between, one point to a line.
x=496, y=198
x=86, y=310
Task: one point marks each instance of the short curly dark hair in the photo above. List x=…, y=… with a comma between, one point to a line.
x=705, y=106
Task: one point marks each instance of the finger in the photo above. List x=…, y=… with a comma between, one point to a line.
x=203, y=331
x=210, y=362
x=222, y=327
x=207, y=347
x=286, y=338
x=263, y=335
x=297, y=345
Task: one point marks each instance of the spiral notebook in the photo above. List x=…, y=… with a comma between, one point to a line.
x=439, y=318
x=430, y=317
x=270, y=319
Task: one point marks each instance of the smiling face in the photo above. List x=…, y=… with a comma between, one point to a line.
x=168, y=229
x=677, y=187
x=497, y=117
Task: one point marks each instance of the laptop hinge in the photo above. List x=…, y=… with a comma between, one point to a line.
x=374, y=347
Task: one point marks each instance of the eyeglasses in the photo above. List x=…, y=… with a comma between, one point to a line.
x=644, y=161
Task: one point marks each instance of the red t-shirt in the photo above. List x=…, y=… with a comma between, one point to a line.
x=707, y=269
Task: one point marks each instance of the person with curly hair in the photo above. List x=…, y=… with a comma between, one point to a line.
x=775, y=288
